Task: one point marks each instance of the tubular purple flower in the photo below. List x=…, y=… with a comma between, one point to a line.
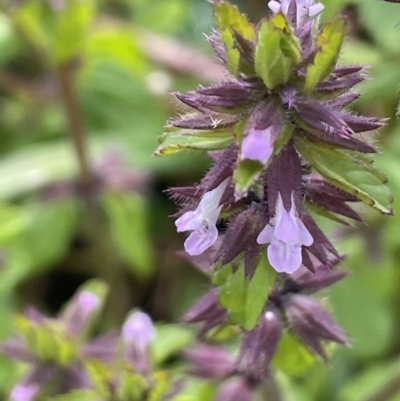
x=137, y=333
x=202, y=221
x=80, y=312
x=258, y=145
x=305, y=9
x=286, y=235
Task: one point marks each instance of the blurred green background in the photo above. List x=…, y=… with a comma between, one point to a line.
x=84, y=94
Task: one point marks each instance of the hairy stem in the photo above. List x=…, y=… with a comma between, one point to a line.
x=76, y=130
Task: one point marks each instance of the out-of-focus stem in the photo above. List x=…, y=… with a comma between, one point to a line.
x=73, y=113
x=387, y=391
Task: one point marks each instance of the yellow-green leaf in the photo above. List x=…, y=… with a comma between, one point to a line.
x=348, y=173
x=183, y=139
x=329, y=42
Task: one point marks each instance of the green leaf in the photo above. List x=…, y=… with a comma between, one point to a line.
x=329, y=42
x=60, y=33
x=291, y=356
x=47, y=340
x=170, y=339
x=245, y=299
x=350, y=174
x=100, y=376
x=12, y=222
x=258, y=291
x=246, y=173
x=183, y=139
x=275, y=44
x=232, y=53
x=161, y=384
x=232, y=296
x=128, y=220
x=229, y=17
x=132, y=386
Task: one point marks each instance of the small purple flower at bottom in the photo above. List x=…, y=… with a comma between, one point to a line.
x=286, y=237
x=202, y=221
x=138, y=332
x=258, y=145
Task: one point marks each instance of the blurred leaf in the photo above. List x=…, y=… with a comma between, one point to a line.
x=161, y=16
x=100, y=376
x=61, y=33
x=366, y=383
x=47, y=340
x=329, y=42
x=132, y=386
x=117, y=44
x=12, y=222
x=77, y=395
x=169, y=340
x=49, y=232
x=128, y=217
x=162, y=382
x=291, y=356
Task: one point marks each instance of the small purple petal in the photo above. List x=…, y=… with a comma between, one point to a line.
x=188, y=221
x=286, y=228
x=137, y=333
x=266, y=236
x=284, y=258
x=258, y=145
x=305, y=237
x=201, y=239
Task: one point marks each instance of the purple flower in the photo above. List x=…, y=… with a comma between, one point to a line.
x=286, y=235
x=305, y=9
x=258, y=145
x=202, y=221
x=138, y=332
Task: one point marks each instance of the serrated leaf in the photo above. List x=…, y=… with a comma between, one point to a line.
x=182, y=139
x=258, y=291
x=355, y=177
x=271, y=63
x=329, y=42
x=232, y=53
x=128, y=221
x=229, y=17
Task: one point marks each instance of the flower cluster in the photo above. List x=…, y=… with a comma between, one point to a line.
x=62, y=360
x=289, y=306
x=285, y=148
x=283, y=143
